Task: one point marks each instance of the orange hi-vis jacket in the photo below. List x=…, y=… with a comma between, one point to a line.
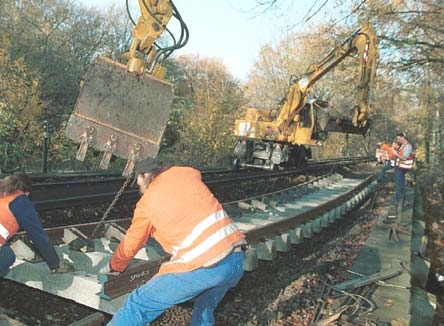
x=180, y=212
x=406, y=150
x=389, y=149
x=8, y=223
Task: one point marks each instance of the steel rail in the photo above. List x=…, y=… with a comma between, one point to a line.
x=54, y=195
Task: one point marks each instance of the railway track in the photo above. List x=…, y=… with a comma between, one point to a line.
x=273, y=222
x=67, y=191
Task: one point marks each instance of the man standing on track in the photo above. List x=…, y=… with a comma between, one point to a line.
x=389, y=162
x=179, y=211
x=403, y=163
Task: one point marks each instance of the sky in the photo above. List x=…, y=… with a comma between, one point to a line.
x=231, y=30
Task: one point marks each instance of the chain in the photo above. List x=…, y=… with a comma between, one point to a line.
x=110, y=207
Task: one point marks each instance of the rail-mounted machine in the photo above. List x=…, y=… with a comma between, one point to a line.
x=270, y=139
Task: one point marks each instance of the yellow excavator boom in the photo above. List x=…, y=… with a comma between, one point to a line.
x=273, y=137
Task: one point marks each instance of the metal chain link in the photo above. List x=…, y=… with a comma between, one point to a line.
x=111, y=206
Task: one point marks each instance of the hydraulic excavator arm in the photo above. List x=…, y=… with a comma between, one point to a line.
x=268, y=138
x=123, y=109
x=362, y=43
x=153, y=20
x=155, y=15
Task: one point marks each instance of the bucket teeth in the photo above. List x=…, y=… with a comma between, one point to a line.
x=117, y=111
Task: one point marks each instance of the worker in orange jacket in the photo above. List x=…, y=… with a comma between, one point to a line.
x=179, y=211
x=17, y=212
x=389, y=160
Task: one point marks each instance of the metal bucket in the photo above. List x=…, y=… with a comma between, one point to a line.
x=120, y=113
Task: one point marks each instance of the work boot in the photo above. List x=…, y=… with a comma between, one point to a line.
x=64, y=267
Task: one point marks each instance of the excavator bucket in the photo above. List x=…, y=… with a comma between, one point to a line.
x=120, y=113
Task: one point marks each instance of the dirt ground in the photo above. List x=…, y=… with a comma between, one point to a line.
x=431, y=187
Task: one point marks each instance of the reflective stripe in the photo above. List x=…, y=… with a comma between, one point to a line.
x=199, y=229
x=406, y=164
x=207, y=244
x=4, y=233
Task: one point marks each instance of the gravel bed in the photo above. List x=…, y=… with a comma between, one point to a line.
x=286, y=291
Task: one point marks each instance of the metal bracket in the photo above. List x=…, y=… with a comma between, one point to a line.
x=86, y=139
x=134, y=276
x=77, y=241
x=115, y=231
x=109, y=149
x=25, y=251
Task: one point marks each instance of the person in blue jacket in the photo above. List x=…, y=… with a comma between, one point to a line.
x=17, y=212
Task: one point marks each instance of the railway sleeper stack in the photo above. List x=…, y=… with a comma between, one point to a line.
x=272, y=223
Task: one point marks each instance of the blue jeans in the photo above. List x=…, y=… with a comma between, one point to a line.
x=387, y=166
x=206, y=285
x=399, y=186
x=7, y=258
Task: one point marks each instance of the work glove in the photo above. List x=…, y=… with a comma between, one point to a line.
x=64, y=267
x=108, y=270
